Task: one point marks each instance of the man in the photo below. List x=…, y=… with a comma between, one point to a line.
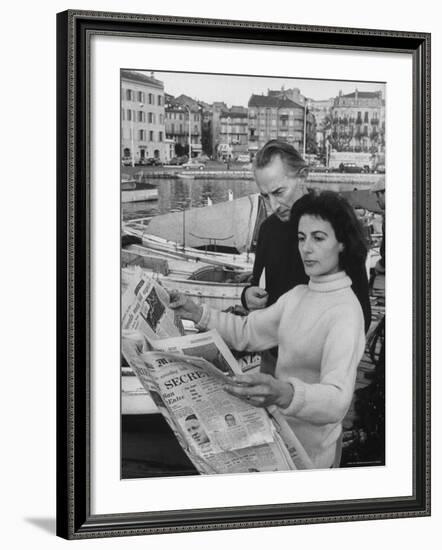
x=280, y=174
x=196, y=431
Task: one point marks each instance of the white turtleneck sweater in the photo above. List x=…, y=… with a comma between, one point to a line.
x=319, y=329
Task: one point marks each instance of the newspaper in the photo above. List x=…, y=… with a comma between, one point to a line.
x=186, y=378
x=145, y=308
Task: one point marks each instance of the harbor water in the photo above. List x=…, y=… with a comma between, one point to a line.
x=175, y=194
x=179, y=194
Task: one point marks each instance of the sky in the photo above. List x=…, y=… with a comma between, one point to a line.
x=236, y=90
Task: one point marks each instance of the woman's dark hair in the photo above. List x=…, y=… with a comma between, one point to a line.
x=333, y=208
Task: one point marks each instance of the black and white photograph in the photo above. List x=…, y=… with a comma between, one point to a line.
x=254, y=206
x=227, y=251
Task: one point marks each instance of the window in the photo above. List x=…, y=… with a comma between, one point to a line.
x=140, y=96
x=142, y=135
x=366, y=116
x=161, y=119
x=141, y=116
x=151, y=135
x=129, y=114
x=129, y=95
x=150, y=99
x=150, y=118
x=160, y=136
x=159, y=100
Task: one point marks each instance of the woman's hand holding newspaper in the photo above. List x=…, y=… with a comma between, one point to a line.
x=185, y=306
x=261, y=390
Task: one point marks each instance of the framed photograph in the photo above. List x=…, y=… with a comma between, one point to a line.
x=243, y=274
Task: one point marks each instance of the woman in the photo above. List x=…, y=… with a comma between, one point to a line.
x=319, y=329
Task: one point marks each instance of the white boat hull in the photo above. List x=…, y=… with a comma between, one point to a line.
x=139, y=195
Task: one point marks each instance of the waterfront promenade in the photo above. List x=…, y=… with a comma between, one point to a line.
x=239, y=171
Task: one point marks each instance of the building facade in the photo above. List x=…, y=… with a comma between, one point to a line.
x=357, y=122
x=142, y=118
x=184, y=118
x=276, y=116
x=232, y=137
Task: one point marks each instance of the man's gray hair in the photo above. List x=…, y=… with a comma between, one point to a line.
x=292, y=160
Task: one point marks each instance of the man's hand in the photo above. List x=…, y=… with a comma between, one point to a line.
x=185, y=307
x=260, y=390
x=256, y=297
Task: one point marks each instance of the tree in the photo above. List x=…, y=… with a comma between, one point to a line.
x=179, y=150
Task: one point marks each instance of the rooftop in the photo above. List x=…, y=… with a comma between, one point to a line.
x=141, y=78
x=363, y=95
x=276, y=102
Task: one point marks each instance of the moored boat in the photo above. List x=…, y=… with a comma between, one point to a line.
x=136, y=191
x=228, y=226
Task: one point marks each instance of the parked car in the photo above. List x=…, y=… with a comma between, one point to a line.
x=243, y=158
x=126, y=161
x=193, y=165
x=177, y=161
x=152, y=161
x=318, y=168
x=350, y=168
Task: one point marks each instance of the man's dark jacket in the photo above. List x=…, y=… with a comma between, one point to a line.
x=277, y=252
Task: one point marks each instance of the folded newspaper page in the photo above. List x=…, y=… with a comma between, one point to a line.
x=145, y=308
